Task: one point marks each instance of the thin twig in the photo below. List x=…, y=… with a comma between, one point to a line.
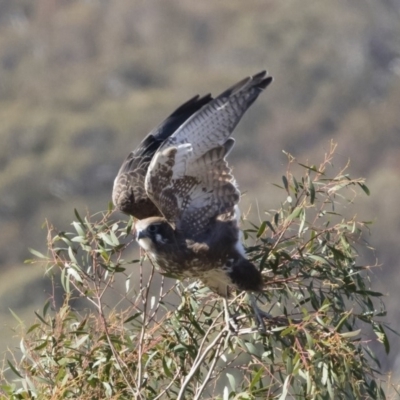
x=200, y=359
x=119, y=361
x=160, y=296
x=144, y=295
x=210, y=371
x=212, y=326
x=169, y=385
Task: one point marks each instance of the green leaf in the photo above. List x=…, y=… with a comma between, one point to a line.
x=339, y=325
x=261, y=229
x=78, y=216
x=166, y=367
x=296, y=186
x=285, y=183
x=37, y=253
x=288, y=331
x=32, y=328
x=285, y=388
x=324, y=374
x=72, y=255
x=296, y=212
x=46, y=307
x=256, y=378
x=16, y=317
x=310, y=340
x=152, y=355
x=72, y=271
x=289, y=365
x=372, y=355
x=129, y=226
x=78, y=343
x=14, y=369
x=65, y=280
x=106, y=239
x=364, y=188
x=350, y=334
x=41, y=346
x=312, y=168
x=78, y=228
x=381, y=335
x=303, y=221
x=252, y=349
x=114, y=238
x=312, y=192
x=270, y=226
x=41, y=319
x=232, y=381
x=369, y=293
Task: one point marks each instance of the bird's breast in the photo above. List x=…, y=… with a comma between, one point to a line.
x=186, y=265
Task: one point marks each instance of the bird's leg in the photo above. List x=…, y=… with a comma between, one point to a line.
x=259, y=314
x=229, y=320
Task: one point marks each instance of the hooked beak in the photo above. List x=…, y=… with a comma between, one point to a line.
x=140, y=235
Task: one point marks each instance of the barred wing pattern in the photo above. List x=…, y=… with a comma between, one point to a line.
x=188, y=178
x=213, y=124
x=129, y=194
x=194, y=191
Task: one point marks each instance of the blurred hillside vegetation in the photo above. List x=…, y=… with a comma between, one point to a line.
x=81, y=82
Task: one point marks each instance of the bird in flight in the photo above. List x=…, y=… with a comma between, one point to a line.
x=179, y=186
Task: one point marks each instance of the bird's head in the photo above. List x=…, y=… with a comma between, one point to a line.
x=153, y=233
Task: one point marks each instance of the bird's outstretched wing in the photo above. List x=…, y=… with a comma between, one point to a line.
x=188, y=178
x=129, y=194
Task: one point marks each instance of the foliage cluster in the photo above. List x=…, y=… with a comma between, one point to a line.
x=81, y=84
x=163, y=341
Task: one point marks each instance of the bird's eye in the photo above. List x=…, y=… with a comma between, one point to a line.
x=152, y=228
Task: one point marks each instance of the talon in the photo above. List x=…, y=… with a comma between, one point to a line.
x=259, y=315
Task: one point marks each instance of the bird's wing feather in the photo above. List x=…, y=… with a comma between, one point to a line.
x=216, y=195
x=190, y=192
x=213, y=124
x=129, y=194
x=188, y=178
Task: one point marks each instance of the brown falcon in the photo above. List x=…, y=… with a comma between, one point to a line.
x=179, y=181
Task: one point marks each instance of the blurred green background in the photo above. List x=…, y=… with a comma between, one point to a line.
x=81, y=82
